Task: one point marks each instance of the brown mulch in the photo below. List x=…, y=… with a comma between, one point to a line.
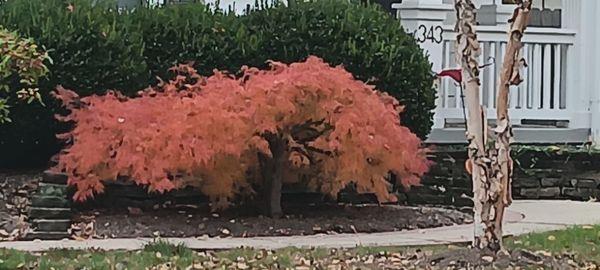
x=516, y=259
x=15, y=193
x=454, y=257
x=465, y=258
x=181, y=221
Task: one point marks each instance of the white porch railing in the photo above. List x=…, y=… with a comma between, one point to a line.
x=559, y=101
x=542, y=98
x=545, y=107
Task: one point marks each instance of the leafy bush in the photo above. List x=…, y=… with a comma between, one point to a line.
x=92, y=51
x=366, y=40
x=97, y=48
x=304, y=123
x=178, y=34
x=92, y=46
x=22, y=64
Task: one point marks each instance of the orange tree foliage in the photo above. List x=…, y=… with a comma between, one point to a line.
x=212, y=132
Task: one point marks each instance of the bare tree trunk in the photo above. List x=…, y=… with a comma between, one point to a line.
x=510, y=75
x=272, y=175
x=489, y=158
x=467, y=53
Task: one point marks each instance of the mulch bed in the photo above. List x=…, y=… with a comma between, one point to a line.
x=516, y=259
x=174, y=221
x=169, y=219
x=454, y=258
x=450, y=257
x=15, y=193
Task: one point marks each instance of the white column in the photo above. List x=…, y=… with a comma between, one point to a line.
x=570, y=13
x=583, y=67
x=424, y=19
x=594, y=73
x=577, y=75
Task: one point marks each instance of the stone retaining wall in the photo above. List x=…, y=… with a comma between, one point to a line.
x=538, y=175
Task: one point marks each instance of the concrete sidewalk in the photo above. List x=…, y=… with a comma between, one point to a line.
x=523, y=217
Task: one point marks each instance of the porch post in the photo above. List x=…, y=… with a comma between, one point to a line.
x=424, y=19
x=583, y=65
x=595, y=88
x=586, y=64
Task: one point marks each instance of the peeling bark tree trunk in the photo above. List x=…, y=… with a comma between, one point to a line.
x=489, y=153
x=467, y=53
x=510, y=75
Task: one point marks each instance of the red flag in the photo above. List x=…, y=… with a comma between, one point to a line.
x=455, y=74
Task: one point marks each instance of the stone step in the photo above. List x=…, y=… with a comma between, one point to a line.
x=49, y=201
x=51, y=225
x=56, y=190
x=47, y=235
x=49, y=213
x=54, y=178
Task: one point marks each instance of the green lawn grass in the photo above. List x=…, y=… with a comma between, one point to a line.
x=582, y=241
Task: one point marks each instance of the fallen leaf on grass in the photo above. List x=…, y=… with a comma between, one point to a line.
x=544, y=253
x=195, y=266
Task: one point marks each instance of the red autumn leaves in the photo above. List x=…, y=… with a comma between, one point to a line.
x=208, y=132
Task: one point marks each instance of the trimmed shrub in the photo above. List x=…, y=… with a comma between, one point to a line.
x=92, y=51
x=97, y=48
x=304, y=123
x=366, y=40
x=178, y=34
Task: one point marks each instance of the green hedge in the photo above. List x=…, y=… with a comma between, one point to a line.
x=92, y=51
x=97, y=48
x=365, y=39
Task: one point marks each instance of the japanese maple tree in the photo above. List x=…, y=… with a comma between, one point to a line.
x=232, y=136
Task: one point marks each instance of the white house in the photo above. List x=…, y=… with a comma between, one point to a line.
x=559, y=101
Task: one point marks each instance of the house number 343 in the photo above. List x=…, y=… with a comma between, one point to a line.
x=432, y=33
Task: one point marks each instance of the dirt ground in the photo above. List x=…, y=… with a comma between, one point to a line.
x=450, y=257
x=300, y=220
x=516, y=259
x=176, y=220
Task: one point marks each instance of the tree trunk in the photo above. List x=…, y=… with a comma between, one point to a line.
x=510, y=75
x=489, y=158
x=467, y=53
x=272, y=175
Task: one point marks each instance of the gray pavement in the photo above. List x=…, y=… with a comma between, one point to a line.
x=523, y=217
